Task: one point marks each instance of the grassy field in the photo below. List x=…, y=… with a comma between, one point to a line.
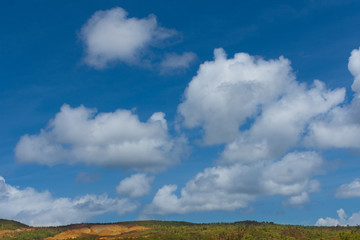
x=176, y=230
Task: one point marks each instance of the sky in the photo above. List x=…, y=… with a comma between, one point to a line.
x=197, y=111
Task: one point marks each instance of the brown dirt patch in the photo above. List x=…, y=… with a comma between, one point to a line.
x=11, y=233
x=102, y=231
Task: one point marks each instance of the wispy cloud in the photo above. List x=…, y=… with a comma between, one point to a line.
x=174, y=62
x=349, y=190
x=84, y=177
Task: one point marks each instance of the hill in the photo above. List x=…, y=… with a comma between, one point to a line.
x=11, y=225
x=176, y=230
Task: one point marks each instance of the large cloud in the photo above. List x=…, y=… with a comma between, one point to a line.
x=258, y=109
x=342, y=220
x=229, y=188
x=41, y=209
x=228, y=92
x=115, y=139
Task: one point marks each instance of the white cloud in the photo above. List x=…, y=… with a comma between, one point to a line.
x=116, y=139
x=327, y=222
x=281, y=124
x=292, y=175
x=41, y=209
x=300, y=199
x=349, y=190
x=354, y=67
x=111, y=36
x=173, y=62
x=226, y=92
x=342, y=220
x=261, y=112
x=230, y=188
x=340, y=128
x=136, y=185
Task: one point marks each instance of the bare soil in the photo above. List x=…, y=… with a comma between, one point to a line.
x=11, y=233
x=112, y=231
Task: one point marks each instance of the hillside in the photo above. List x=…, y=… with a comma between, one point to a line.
x=11, y=225
x=175, y=230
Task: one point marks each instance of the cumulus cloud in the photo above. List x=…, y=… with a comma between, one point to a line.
x=174, y=62
x=340, y=127
x=136, y=185
x=349, y=190
x=111, y=36
x=41, y=209
x=354, y=68
x=258, y=109
x=226, y=93
x=342, y=220
x=282, y=124
x=230, y=188
x=115, y=139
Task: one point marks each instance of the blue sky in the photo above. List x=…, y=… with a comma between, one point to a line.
x=180, y=110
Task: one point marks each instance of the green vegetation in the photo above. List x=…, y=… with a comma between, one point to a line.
x=243, y=230
x=157, y=230
x=10, y=225
x=16, y=230
x=31, y=234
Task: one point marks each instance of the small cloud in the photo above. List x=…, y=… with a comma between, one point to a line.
x=342, y=219
x=111, y=36
x=349, y=190
x=174, y=62
x=299, y=199
x=84, y=177
x=354, y=68
x=137, y=185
